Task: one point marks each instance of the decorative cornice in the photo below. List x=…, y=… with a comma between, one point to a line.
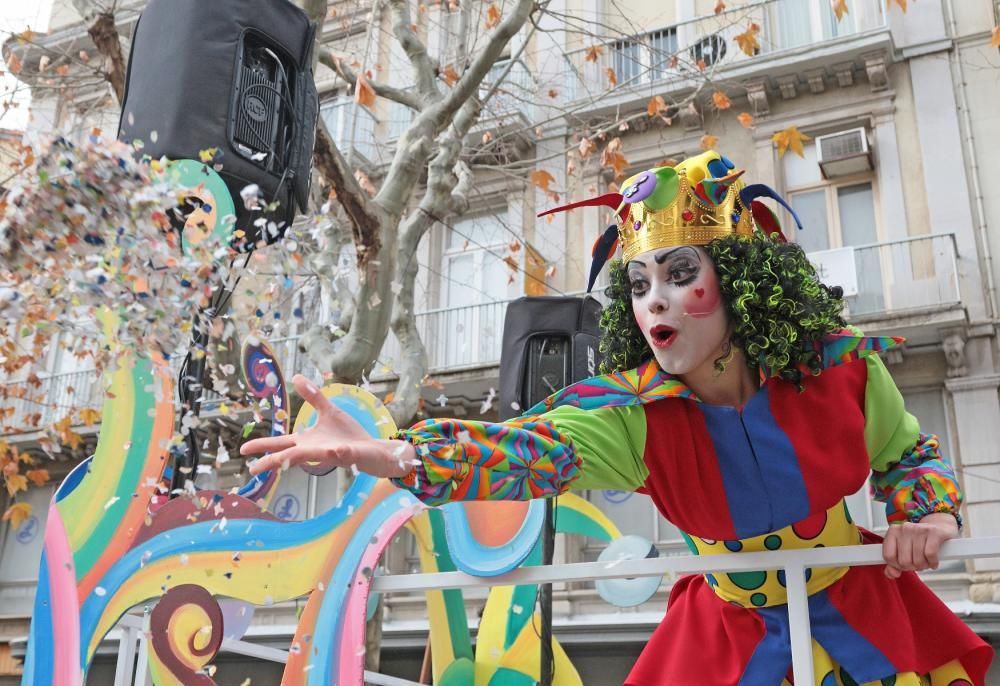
x=817, y=80
x=878, y=72
x=757, y=94
x=985, y=382
x=788, y=85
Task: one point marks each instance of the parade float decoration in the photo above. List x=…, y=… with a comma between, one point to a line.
x=200, y=562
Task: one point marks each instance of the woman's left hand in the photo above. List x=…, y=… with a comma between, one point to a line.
x=914, y=546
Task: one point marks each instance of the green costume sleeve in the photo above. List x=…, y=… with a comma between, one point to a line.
x=610, y=442
x=890, y=431
x=908, y=472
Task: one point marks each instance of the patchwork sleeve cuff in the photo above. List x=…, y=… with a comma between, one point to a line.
x=522, y=459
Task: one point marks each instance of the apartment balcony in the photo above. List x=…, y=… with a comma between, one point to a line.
x=352, y=127
x=908, y=287
x=510, y=110
x=32, y=406
x=801, y=46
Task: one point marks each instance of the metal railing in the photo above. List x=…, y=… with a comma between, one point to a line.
x=351, y=126
x=38, y=405
x=515, y=95
x=795, y=564
x=677, y=52
x=896, y=277
x=454, y=337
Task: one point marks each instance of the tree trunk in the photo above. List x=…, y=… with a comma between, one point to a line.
x=104, y=33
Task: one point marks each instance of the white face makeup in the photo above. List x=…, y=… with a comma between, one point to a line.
x=678, y=305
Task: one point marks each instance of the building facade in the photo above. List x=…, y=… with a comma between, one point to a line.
x=901, y=109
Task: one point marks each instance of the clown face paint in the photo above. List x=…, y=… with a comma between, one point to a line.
x=678, y=305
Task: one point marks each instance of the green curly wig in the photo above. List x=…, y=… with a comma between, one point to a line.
x=777, y=308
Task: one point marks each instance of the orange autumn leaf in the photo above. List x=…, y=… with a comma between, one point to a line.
x=37, y=476
x=708, y=141
x=15, y=483
x=449, y=75
x=790, y=139
x=492, y=16
x=72, y=439
x=16, y=514
x=747, y=41
x=593, y=53
x=612, y=77
x=720, y=7
x=365, y=182
x=541, y=178
x=613, y=158
x=995, y=41
x=14, y=64
x=62, y=70
x=721, y=100
x=901, y=3
x=90, y=416
x=364, y=94
x=553, y=93
x=587, y=147
x=746, y=119
x=655, y=106
x=840, y=8
x=511, y=262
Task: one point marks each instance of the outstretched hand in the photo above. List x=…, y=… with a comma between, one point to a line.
x=335, y=440
x=914, y=546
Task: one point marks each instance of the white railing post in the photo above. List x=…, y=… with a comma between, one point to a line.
x=125, y=666
x=798, y=624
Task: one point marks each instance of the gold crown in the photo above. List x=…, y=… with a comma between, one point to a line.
x=692, y=203
x=691, y=218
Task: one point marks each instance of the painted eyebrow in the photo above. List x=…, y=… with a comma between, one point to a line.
x=662, y=257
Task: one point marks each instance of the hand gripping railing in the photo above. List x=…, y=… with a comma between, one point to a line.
x=793, y=562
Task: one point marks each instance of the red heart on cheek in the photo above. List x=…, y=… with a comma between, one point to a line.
x=700, y=292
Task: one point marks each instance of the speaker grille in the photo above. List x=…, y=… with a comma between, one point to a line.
x=256, y=119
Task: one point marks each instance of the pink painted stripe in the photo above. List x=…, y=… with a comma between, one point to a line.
x=66, y=669
x=352, y=665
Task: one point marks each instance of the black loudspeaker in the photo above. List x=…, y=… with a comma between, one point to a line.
x=234, y=75
x=548, y=343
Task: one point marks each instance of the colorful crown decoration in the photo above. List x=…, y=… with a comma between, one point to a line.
x=692, y=203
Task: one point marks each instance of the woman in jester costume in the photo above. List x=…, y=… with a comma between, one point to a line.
x=735, y=396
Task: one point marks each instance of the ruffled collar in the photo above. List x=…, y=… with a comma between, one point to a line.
x=648, y=383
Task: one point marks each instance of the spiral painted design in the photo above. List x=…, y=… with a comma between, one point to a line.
x=186, y=628
x=265, y=381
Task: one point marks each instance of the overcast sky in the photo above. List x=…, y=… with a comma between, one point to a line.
x=16, y=16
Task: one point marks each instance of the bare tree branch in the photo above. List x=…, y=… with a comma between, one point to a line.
x=424, y=68
x=468, y=86
x=104, y=33
x=359, y=209
x=442, y=197
x=399, y=95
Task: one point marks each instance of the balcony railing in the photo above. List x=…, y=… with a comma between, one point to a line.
x=515, y=95
x=351, y=126
x=708, y=42
x=894, y=278
x=455, y=338
x=39, y=405
x=133, y=651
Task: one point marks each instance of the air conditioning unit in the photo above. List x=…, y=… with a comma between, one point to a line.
x=844, y=153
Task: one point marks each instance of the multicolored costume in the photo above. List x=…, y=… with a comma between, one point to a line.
x=773, y=474
x=763, y=477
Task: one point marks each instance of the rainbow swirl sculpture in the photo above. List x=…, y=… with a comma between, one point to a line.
x=108, y=549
